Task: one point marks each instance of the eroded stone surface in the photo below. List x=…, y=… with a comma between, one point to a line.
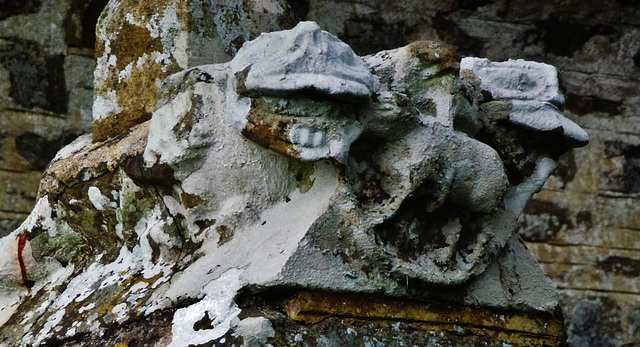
x=590, y=206
x=184, y=213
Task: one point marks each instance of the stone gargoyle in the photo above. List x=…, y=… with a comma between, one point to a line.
x=296, y=165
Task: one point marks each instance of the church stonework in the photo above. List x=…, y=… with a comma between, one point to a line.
x=300, y=195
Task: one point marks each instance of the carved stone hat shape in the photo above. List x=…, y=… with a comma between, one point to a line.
x=304, y=58
x=295, y=92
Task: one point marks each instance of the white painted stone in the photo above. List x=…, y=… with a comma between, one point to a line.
x=304, y=57
x=217, y=303
x=545, y=117
x=516, y=79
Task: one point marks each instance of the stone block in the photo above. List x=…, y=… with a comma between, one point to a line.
x=139, y=46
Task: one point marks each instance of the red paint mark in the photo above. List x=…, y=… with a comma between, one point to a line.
x=22, y=241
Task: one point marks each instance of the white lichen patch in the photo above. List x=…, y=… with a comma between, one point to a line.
x=75, y=146
x=99, y=201
x=86, y=307
x=121, y=311
x=126, y=72
x=105, y=105
x=40, y=217
x=95, y=278
x=51, y=323
x=218, y=304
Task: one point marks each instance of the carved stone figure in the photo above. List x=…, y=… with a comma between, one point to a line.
x=299, y=165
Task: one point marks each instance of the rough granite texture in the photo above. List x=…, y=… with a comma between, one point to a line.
x=583, y=226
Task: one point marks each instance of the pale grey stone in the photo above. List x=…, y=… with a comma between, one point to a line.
x=255, y=331
x=516, y=79
x=543, y=116
x=303, y=58
x=514, y=280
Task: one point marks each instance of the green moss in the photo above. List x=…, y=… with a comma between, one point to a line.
x=302, y=171
x=63, y=247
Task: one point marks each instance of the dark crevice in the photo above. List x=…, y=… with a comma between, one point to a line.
x=563, y=38
x=621, y=265
x=9, y=8
x=449, y=32
x=368, y=34
x=300, y=9
x=473, y=4
x=636, y=59
x=626, y=179
x=89, y=21
x=629, y=3
x=39, y=151
x=581, y=105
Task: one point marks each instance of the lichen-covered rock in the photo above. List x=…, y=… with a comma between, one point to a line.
x=182, y=214
x=138, y=45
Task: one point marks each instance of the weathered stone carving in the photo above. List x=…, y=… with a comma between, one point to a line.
x=296, y=165
x=139, y=45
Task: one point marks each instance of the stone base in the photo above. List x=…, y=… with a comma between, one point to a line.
x=308, y=319
x=328, y=319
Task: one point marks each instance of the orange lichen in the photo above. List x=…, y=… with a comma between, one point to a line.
x=270, y=131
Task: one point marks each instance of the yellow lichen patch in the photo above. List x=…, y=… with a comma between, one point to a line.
x=190, y=200
x=136, y=95
x=105, y=309
x=225, y=234
x=138, y=62
x=434, y=52
x=519, y=329
x=132, y=43
x=126, y=284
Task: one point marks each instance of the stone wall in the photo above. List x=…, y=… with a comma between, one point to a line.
x=46, y=88
x=583, y=226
